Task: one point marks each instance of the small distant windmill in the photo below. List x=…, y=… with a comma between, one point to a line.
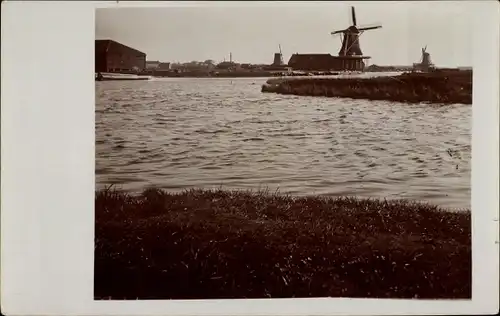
x=350, y=37
x=425, y=64
x=278, y=58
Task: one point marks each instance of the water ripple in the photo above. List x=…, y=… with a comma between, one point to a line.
x=178, y=133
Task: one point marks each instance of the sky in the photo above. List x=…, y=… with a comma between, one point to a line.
x=252, y=31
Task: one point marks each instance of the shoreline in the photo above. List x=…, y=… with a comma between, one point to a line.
x=235, y=74
x=228, y=74
x=202, y=244
x=443, y=87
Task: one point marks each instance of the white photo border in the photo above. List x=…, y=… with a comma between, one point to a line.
x=48, y=180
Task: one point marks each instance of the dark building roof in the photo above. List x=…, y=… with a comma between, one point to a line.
x=104, y=46
x=101, y=46
x=320, y=58
x=325, y=62
x=306, y=59
x=164, y=65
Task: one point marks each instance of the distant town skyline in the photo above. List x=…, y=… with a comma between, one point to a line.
x=253, y=31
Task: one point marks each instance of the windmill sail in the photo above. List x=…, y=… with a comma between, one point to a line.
x=370, y=28
x=350, y=37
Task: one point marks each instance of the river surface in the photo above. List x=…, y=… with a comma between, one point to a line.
x=180, y=133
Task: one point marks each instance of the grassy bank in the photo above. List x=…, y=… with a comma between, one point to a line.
x=222, y=244
x=440, y=87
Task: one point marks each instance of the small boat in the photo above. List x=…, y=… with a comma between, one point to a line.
x=121, y=79
x=118, y=77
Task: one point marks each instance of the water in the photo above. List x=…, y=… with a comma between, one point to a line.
x=179, y=133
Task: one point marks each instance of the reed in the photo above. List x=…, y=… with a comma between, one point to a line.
x=440, y=87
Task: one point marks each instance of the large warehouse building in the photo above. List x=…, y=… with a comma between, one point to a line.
x=111, y=56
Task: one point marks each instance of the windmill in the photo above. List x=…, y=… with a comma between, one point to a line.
x=350, y=56
x=425, y=62
x=350, y=37
x=278, y=58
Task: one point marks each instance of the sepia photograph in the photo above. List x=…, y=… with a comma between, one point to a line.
x=283, y=150
x=249, y=158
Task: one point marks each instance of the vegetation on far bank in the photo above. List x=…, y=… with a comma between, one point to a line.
x=203, y=244
x=439, y=87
